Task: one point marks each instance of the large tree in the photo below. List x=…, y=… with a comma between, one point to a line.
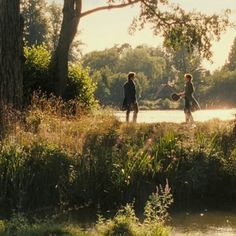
x=177, y=26
x=11, y=30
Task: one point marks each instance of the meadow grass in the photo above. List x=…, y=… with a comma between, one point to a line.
x=54, y=156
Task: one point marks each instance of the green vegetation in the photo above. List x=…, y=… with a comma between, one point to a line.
x=124, y=222
x=55, y=155
x=79, y=87
x=103, y=74
x=188, y=31
x=51, y=159
x=19, y=225
x=182, y=52
x=218, y=90
x=159, y=73
x=36, y=22
x=155, y=67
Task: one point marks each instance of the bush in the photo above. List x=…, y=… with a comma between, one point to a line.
x=37, y=76
x=36, y=73
x=80, y=86
x=34, y=176
x=126, y=223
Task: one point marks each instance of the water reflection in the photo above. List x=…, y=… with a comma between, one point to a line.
x=216, y=223
x=197, y=223
x=177, y=116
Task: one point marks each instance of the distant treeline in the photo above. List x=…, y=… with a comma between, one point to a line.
x=159, y=73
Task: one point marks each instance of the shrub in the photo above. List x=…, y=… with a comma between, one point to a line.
x=37, y=76
x=80, y=86
x=126, y=223
x=36, y=73
x=34, y=176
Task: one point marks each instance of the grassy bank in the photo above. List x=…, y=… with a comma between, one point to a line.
x=49, y=159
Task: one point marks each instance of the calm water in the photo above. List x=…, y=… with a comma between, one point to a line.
x=177, y=116
x=214, y=223
x=197, y=223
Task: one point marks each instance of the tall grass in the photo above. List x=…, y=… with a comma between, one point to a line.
x=56, y=156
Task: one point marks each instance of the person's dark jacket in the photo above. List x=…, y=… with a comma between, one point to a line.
x=189, y=90
x=129, y=94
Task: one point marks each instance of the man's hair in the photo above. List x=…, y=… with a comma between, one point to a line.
x=188, y=76
x=131, y=75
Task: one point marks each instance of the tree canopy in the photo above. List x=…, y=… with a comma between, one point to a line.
x=180, y=28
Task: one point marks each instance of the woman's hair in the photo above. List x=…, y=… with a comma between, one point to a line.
x=188, y=76
x=131, y=75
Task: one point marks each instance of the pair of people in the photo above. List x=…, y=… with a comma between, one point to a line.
x=130, y=100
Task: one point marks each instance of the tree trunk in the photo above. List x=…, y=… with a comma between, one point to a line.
x=11, y=52
x=59, y=64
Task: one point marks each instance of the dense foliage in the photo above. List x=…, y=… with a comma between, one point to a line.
x=37, y=76
x=97, y=160
x=219, y=90
x=156, y=67
x=36, y=22
x=159, y=73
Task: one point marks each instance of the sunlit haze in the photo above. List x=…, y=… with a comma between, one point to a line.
x=177, y=116
x=105, y=29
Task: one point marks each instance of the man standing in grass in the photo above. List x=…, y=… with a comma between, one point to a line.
x=130, y=101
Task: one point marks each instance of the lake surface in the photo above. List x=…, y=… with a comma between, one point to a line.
x=177, y=116
x=213, y=223
x=183, y=223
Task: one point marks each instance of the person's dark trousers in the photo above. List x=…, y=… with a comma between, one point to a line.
x=133, y=106
x=187, y=111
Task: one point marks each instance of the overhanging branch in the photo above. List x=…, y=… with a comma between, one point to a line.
x=109, y=7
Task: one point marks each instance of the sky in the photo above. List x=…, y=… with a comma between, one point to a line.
x=104, y=29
